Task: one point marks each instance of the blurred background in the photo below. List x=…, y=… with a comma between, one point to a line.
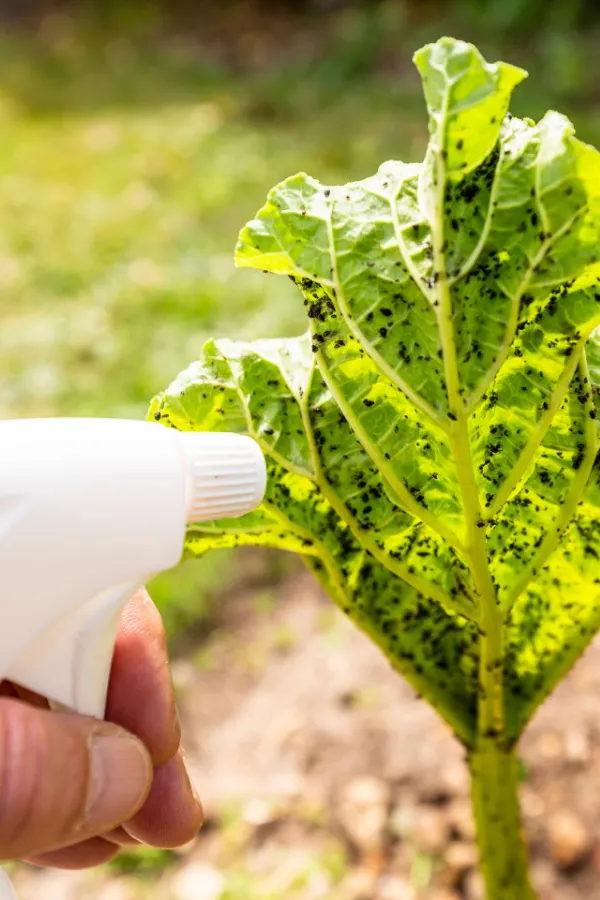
x=136, y=139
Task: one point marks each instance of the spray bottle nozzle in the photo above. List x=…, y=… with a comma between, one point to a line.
x=225, y=475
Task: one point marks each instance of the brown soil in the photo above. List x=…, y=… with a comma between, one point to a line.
x=328, y=710
x=300, y=738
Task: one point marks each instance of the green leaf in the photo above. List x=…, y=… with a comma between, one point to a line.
x=328, y=503
x=558, y=614
x=432, y=440
x=467, y=99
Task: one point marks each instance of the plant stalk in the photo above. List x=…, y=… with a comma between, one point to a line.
x=495, y=769
x=493, y=762
x=502, y=850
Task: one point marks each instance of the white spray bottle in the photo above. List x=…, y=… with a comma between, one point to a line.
x=90, y=510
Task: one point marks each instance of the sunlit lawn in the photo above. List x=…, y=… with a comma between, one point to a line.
x=126, y=172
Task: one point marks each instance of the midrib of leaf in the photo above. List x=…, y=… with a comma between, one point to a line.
x=491, y=707
x=569, y=505
x=519, y=470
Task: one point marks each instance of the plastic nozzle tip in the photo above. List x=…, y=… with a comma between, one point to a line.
x=226, y=475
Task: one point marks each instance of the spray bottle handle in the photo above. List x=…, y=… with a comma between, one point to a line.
x=6, y=889
x=70, y=662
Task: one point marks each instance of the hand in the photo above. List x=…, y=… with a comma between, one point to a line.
x=74, y=790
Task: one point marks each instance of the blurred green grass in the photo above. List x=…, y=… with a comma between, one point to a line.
x=128, y=164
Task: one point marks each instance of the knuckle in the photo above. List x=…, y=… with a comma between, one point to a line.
x=44, y=781
x=21, y=775
x=76, y=787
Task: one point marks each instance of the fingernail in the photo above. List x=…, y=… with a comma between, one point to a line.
x=120, y=779
x=189, y=781
x=176, y=718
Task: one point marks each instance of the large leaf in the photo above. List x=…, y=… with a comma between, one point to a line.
x=432, y=440
x=326, y=500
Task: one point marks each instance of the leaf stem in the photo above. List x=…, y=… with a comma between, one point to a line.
x=491, y=646
x=491, y=659
x=494, y=791
x=491, y=701
x=493, y=764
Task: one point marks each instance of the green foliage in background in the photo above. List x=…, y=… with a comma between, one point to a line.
x=131, y=152
x=432, y=442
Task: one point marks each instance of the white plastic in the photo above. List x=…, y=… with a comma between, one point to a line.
x=6, y=888
x=226, y=474
x=90, y=509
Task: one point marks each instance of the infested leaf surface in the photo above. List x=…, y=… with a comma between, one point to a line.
x=432, y=440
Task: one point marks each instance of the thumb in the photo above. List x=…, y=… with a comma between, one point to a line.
x=64, y=778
